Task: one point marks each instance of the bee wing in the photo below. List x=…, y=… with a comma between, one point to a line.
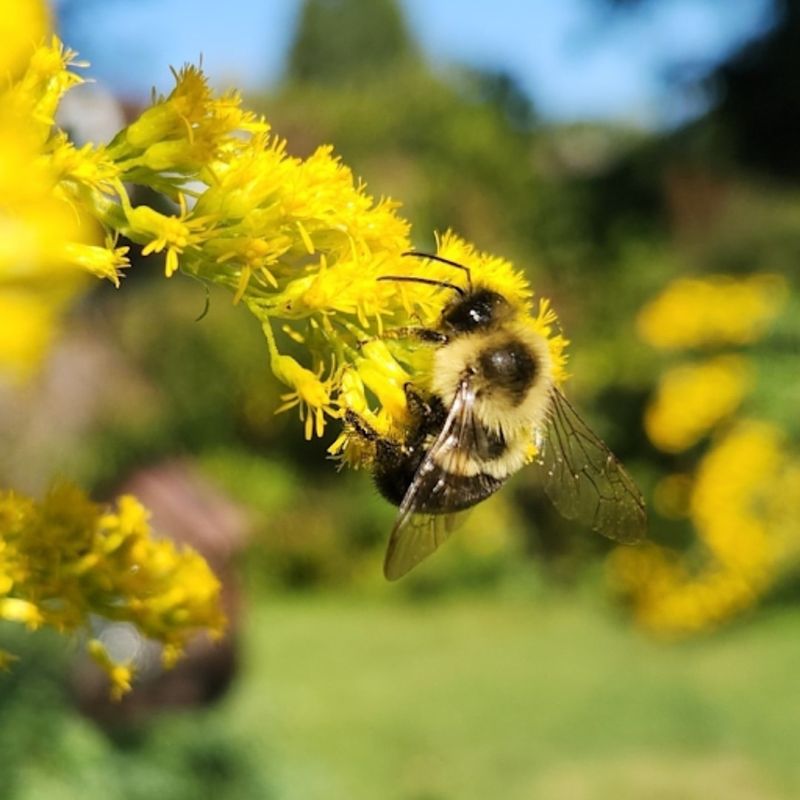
x=416, y=534
x=418, y=537
x=585, y=480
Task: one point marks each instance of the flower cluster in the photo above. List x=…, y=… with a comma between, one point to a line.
x=302, y=245
x=739, y=498
x=66, y=558
x=738, y=505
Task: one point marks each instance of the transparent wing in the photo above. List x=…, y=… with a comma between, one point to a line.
x=585, y=480
x=419, y=536
x=417, y=532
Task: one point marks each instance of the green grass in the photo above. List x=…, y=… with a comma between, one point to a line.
x=345, y=697
x=473, y=698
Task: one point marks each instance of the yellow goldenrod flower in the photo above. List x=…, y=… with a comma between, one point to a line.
x=310, y=393
x=185, y=131
x=173, y=233
x=103, y=262
x=173, y=115
x=35, y=96
x=65, y=559
x=88, y=167
x=119, y=675
x=712, y=311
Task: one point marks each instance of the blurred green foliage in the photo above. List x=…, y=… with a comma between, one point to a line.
x=47, y=749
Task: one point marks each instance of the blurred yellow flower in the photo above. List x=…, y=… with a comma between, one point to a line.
x=738, y=505
x=739, y=501
x=48, y=239
x=730, y=493
x=28, y=322
x=14, y=610
x=691, y=399
x=694, y=312
x=23, y=24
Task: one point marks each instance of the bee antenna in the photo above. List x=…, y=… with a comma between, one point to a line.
x=442, y=260
x=429, y=281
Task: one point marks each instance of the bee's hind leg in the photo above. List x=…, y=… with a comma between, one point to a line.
x=387, y=450
x=361, y=426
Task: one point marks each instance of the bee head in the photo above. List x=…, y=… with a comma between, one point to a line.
x=475, y=311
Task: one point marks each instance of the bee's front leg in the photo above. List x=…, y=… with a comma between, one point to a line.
x=417, y=405
x=426, y=335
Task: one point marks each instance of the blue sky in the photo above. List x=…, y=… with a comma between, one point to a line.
x=574, y=60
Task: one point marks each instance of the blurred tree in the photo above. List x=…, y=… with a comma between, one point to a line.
x=502, y=90
x=760, y=96
x=371, y=36
x=756, y=90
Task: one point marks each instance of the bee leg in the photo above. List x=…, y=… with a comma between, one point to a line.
x=427, y=335
x=360, y=426
x=387, y=450
x=418, y=407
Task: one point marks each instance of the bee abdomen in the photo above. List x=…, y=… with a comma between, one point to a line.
x=457, y=492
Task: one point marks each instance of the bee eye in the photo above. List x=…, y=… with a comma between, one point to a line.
x=511, y=366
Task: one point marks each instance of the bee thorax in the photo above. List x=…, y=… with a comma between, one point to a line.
x=510, y=368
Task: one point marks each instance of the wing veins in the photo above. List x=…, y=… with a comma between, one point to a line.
x=585, y=480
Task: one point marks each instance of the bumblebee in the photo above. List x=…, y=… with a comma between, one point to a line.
x=491, y=398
